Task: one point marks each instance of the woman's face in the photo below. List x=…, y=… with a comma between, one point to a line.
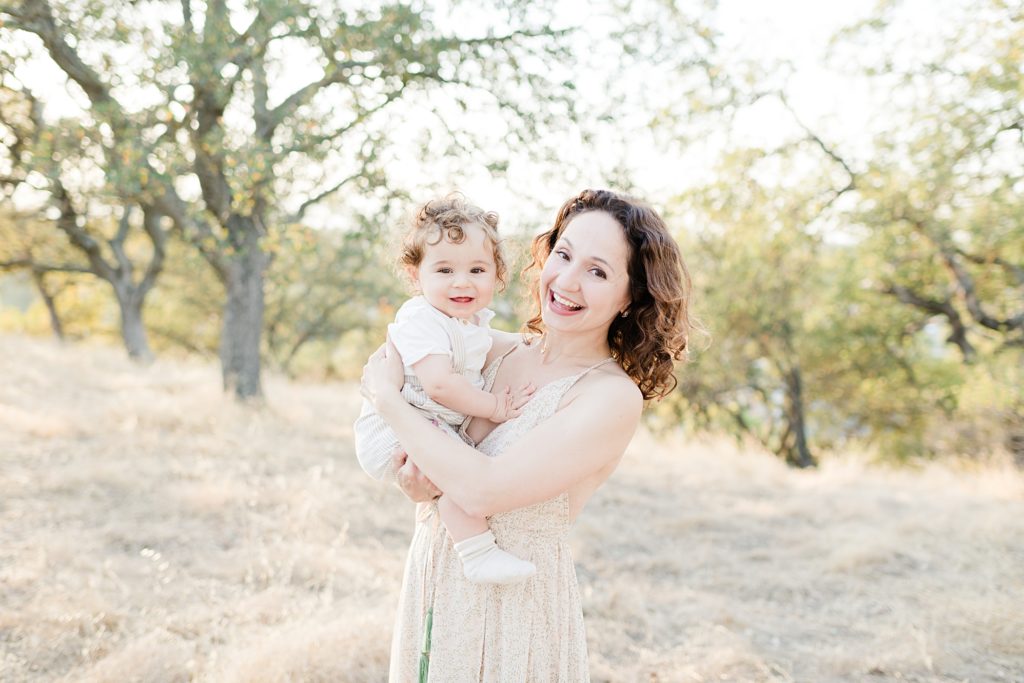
x=585, y=283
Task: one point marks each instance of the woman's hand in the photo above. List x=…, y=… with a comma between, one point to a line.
x=383, y=374
x=414, y=484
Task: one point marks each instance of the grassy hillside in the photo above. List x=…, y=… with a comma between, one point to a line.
x=151, y=530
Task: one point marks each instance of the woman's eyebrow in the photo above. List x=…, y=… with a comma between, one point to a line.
x=592, y=258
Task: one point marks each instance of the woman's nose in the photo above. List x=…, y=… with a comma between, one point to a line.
x=569, y=279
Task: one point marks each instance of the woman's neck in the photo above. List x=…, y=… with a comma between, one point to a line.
x=583, y=349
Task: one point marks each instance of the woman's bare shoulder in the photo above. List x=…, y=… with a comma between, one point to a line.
x=610, y=383
x=503, y=341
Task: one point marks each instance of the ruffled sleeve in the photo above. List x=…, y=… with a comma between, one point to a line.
x=419, y=330
x=484, y=317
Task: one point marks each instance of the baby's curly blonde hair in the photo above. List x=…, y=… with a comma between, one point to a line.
x=446, y=218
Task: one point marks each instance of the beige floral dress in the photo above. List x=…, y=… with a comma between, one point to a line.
x=527, y=632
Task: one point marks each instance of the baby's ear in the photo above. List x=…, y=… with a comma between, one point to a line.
x=413, y=273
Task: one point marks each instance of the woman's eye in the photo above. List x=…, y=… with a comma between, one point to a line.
x=600, y=273
x=562, y=255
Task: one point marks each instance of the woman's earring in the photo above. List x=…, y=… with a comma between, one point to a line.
x=624, y=314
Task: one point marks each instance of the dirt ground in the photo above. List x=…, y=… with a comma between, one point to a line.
x=151, y=530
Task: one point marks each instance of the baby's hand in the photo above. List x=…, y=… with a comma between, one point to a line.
x=510, y=403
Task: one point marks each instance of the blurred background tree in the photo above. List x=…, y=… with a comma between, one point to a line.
x=873, y=297
x=862, y=292
x=57, y=164
x=941, y=213
x=219, y=118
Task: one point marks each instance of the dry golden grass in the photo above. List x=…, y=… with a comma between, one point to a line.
x=151, y=530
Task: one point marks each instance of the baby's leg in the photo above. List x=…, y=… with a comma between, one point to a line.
x=482, y=560
x=460, y=525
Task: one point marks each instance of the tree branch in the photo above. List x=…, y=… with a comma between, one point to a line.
x=831, y=153
x=29, y=263
x=38, y=19
x=945, y=308
x=303, y=95
x=312, y=331
x=1015, y=270
x=186, y=17
x=970, y=294
x=124, y=267
x=297, y=216
x=68, y=223
x=194, y=229
x=965, y=283
x=151, y=224
x=312, y=141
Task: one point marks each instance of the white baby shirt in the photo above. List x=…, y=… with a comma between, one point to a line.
x=420, y=330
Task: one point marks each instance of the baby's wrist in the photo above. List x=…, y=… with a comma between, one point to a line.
x=495, y=416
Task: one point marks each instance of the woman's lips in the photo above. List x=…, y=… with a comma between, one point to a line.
x=560, y=308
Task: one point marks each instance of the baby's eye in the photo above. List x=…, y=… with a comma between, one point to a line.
x=562, y=254
x=444, y=269
x=479, y=270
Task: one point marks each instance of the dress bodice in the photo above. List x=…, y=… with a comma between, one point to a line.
x=548, y=519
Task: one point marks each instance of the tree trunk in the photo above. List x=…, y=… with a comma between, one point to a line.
x=243, y=319
x=797, y=452
x=51, y=305
x=133, y=332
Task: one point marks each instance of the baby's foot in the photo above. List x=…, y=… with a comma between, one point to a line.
x=484, y=562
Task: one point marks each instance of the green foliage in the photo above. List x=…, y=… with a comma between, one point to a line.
x=762, y=289
x=34, y=258
x=233, y=120
x=777, y=298
x=943, y=192
x=895, y=283
x=328, y=302
x=874, y=300
x=941, y=201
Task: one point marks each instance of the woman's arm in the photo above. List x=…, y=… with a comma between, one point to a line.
x=580, y=439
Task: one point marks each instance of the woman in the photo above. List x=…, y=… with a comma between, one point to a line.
x=611, y=316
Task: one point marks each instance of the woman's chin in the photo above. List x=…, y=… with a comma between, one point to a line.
x=556, y=323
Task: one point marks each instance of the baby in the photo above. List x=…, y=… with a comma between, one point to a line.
x=452, y=255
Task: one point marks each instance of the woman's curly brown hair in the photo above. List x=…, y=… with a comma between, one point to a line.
x=656, y=330
x=446, y=218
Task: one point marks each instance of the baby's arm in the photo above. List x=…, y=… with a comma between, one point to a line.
x=452, y=390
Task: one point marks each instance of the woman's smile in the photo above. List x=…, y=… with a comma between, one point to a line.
x=585, y=276
x=561, y=305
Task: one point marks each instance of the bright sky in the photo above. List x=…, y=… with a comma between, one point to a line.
x=795, y=31
x=829, y=96
x=837, y=104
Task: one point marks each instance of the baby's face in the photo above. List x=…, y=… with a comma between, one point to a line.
x=458, y=279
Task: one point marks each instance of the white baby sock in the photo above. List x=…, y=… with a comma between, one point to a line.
x=484, y=562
